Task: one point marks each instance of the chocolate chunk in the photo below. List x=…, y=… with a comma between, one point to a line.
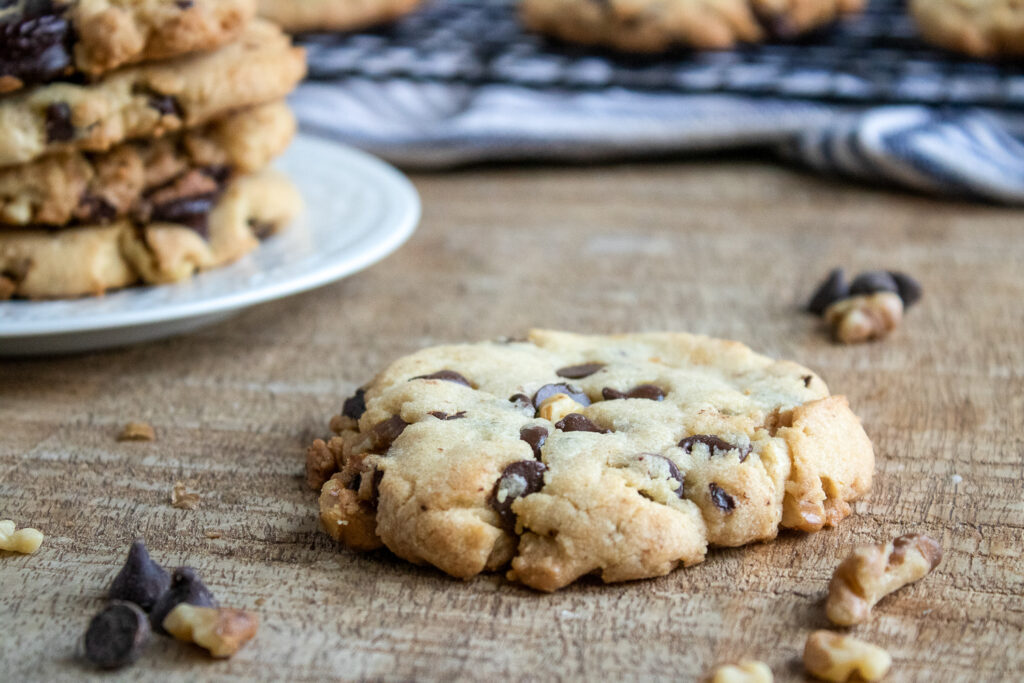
x=141, y=580
x=722, y=500
x=58, y=123
x=445, y=416
x=355, y=405
x=192, y=212
x=648, y=391
x=167, y=105
x=872, y=282
x=386, y=431
x=518, y=480
x=549, y=390
x=807, y=380
x=535, y=435
x=907, y=287
x=716, y=446
x=574, y=422
x=447, y=376
x=378, y=477
x=261, y=230
x=828, y=292
x=579, y=371
x=656, y=463
x=36, y=47
x=116, y=636
x=183, y=4
x=522, y=402
x=94, y=209
x=185, y=587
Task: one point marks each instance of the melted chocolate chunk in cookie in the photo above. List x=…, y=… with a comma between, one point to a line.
x=447, y=376
x=535, y=435
x=440, y=415
x=549, y=390
x=716, y=445
x=36, y=45
x=649, y=391
x=355, y=405
x=659, y=466
x=192, y=212
x=579, y=371
x=58, y=123
x=386, y=431
x=574, y=422
x=518, y=480
x=722, y=500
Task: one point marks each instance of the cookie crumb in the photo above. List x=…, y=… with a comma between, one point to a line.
x=874, y=571
x=182, y=499
x=833, y=657
x=24, y=541
x=744, y=672
x=221, y=631
x=137, y=431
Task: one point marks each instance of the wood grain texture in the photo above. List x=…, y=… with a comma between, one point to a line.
x=723, y=248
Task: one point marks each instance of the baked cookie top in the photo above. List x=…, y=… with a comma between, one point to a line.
x=565, y=454
x=46, y=40
x=150, y=100
x=980, y=28
x=332, y=15
x=657, y=25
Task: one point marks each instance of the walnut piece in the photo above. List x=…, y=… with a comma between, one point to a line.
x=137, y=431
x=24, y=541
x=221, y=631
x=872, y=572
x=182, y=499
x=744, y=672
x=834, y=657
x=864, y=318
x=556, y=407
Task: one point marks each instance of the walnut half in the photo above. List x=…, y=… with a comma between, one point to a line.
x=872, y=572
x=833, y=657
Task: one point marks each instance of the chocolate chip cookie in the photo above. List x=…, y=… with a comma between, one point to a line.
x=566, y=455
x=150, y=100
x=657, y=25
x=99, y=187
x=983, y=28
x=46, y=40
x=196, y=225
x=333, y=15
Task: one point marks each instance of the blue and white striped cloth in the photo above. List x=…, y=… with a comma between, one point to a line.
x=430, y=125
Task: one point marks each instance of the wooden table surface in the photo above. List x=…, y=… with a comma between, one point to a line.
x=728, y=248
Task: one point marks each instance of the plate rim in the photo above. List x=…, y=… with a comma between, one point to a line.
x=405, y=223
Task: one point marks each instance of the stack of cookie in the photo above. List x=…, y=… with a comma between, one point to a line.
x=135, y=140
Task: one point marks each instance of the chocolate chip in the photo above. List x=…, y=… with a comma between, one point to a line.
x=574, y=422
x=579, y=371
x=261, y=230
x=185, y=587
x=378, y=477
x=116, y=636
x=907, y=287
x=722, y=500
x=522, y=402
x=167, y=105
x=58, y=123
x=386, y=431
x=141, y=580
x=36, y=47
x=656, y=462
x=192, y=212
x=828, y=292
x=447, y=376
x=445, y=416
x=549, y=390
x=535, y=435
x=716, y=446
x=518, y=480
x=872, y=282
x=355, y=405
x=807, y=380
x=648, y=391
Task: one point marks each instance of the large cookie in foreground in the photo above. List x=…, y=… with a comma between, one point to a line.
x=565, y=455
x=333, y=15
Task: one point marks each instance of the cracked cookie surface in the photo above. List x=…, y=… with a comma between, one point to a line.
x=150, y=100
x=980, y=28
x=658, y=25
x=565, y=455
x=200, y=224
x=333, y=15
x=46, y=40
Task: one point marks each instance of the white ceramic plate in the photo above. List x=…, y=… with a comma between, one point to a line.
x=358, y=210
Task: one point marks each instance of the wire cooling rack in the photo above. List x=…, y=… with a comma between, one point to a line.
x=874, y=58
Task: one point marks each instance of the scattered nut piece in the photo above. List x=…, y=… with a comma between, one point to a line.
x=744, y=672
x=116, y=636
x=182, y=499
x=137, y=431
x=213, y=534
x=219, y=630
x=24, y=541
x=866, y=317
x=834, y=657
x=557, y=407
x=872, y=572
